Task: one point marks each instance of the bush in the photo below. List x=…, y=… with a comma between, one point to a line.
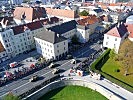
x=99, y=60
x=84, y=13
x=10, y=96
x=117, y=70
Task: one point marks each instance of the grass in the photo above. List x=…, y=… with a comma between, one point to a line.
x=109, y=69
x=73, y=93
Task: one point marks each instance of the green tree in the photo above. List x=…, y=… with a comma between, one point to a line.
x=75, y=39
x=10, y=96
x=84, y=13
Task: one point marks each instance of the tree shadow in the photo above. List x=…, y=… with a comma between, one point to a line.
x=49, y=95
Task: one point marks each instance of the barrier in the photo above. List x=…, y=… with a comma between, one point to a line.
x=64, y=82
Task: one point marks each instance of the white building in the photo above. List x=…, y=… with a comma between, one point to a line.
x=129, y=19
x=3, y=54
x=114, y=37
x=51, y=45
x=83, y=33
x=20, y=38
x=16, y=2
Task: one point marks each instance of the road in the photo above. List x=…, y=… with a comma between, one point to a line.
x=22, y=85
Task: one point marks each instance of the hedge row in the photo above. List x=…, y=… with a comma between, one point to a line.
x=99, y=60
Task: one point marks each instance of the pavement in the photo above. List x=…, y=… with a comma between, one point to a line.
x=121, y=92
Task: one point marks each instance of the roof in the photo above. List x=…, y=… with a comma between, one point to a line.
x=29, y=13
x=50, y=36
x=64, y=27
x=62, y=13
x=118, y=31
x=34, y=25
x=9, y=20
x=91, y=19
x=1, y=47
x=130, y=30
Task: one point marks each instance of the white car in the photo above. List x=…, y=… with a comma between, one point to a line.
x=56, y=70
x=51, y=65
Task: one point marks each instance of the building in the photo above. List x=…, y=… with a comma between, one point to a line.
x=51, y=45
x=130, y=31
x=3, y=54
x=129, y=19
x=24, y=15
x=19, y=39
x=66, y=15
x=16, y=2
x=114, y=37
x=67, y=29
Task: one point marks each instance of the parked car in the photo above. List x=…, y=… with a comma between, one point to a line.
x=33, y=78
x=73, y=61
x=69, y=57
x=55, y=71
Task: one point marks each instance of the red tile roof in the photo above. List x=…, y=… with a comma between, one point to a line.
x=113, y=32
x=118, y=31
x=62, y=13
x=31, y=13
x=1, y=47
x=34, y=25
x=91, y=19
x=130, y=30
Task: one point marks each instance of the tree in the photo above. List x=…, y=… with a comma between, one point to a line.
x=125, y=55
x=10, y=96
x=75, y=39
x=84, y=13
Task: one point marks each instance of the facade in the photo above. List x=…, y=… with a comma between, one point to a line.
x=51, y=45
x=19, y=39
x=3, y=54
x=16, y=2
x=114, y=37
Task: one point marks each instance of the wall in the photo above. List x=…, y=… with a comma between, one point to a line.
x=109, y=42
x=60, y=83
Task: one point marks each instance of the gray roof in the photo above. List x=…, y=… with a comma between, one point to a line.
x=64, y=27
x=50, y=36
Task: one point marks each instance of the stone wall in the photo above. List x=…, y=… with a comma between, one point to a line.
x=60, y=83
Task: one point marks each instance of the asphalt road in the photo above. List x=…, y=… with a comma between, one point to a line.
x=22, y=85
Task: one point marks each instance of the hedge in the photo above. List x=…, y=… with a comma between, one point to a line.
x=99, y=60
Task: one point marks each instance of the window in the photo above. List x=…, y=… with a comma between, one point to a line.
x=64, y=43
x=57, y=46
x=58, y=51
x=7, y=45
x=107, y=37
x=5, y=41
x=3, y=35
x=64, y=48
x=8, y=50
x=115, y=39
x=114, y=45
x=3, y=54
x=106, y=43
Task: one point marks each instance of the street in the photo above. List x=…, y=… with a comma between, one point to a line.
x=20, y=86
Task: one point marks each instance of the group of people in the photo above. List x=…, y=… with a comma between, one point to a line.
x=19, y=73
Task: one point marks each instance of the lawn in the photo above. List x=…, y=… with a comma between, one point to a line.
x=73, y=93
x=110, y=66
